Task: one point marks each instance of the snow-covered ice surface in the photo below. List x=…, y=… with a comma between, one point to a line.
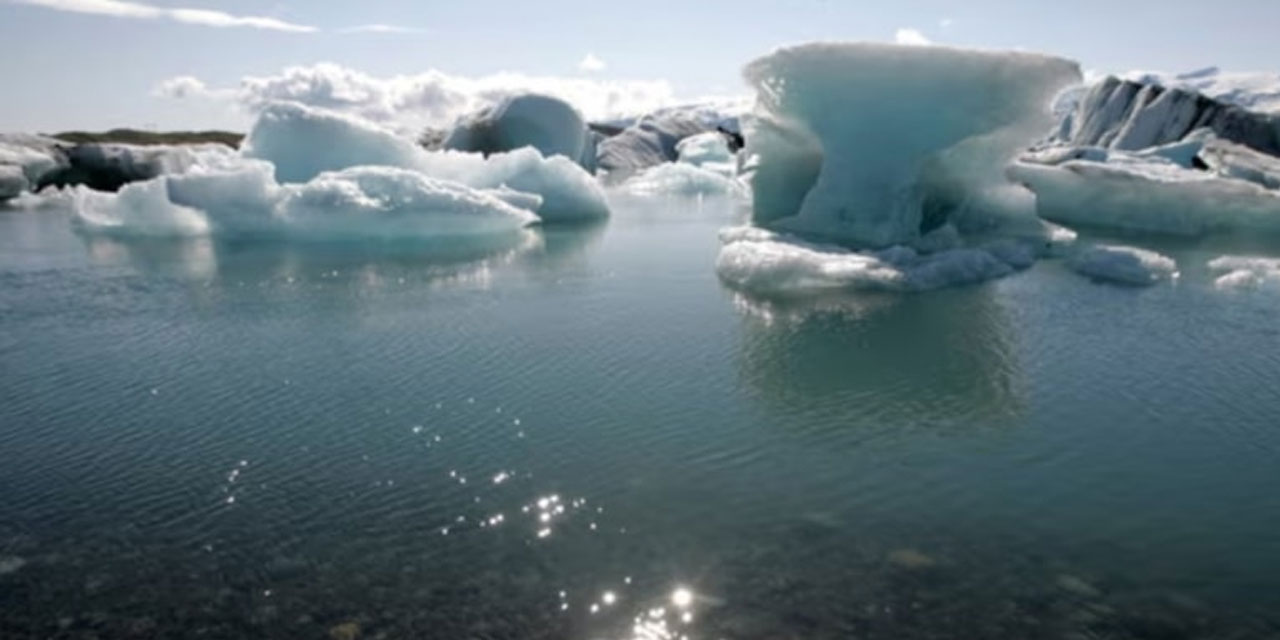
x=853, y=142
x=1123, y=265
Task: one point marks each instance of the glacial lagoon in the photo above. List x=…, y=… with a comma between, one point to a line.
x=580, y=432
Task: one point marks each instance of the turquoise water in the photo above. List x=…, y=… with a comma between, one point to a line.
x=265, y=440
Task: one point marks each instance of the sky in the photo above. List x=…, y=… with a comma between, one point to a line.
x=192, y=64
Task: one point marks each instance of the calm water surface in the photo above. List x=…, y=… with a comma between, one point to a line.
x=580, y=433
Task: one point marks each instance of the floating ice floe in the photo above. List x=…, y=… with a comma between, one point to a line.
x=1123, y=265
x=1243, y=272
x=1148, y=194
x=763, y=262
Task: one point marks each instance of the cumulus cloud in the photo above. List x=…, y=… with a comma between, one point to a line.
x=139, y=11
x=911, y=37
x=433, y=98
x=591, y=64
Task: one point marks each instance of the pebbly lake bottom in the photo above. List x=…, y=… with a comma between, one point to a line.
x=580, y=433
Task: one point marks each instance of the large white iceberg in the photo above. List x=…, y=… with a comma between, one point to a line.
x=303, y=142
x=308, y=172
x=874, y=144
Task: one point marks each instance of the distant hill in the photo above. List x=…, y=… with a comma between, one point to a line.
x=134, y=136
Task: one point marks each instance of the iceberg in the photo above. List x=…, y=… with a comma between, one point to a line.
x=548, y=124
x=1128, y=116
x=362, y=202
x=1123, y=265
x=874, y=145
x=306, y=172
x=1149, y=194
x=1154, y=155
x=302, y=142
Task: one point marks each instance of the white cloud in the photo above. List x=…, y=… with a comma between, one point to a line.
x=380, y=28
x=181, y=87
x=911, y=37
x=190, y=87
x=591, y=64
x=946, y=23
x=433, y=98
x=135, y=10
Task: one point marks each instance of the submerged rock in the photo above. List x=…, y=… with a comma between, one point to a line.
x=911, y=559
x=11, y=565
x=1077, y=586
x=345, y=631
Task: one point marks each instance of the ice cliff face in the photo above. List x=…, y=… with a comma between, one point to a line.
x=1126, y=115
x=871, y=144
